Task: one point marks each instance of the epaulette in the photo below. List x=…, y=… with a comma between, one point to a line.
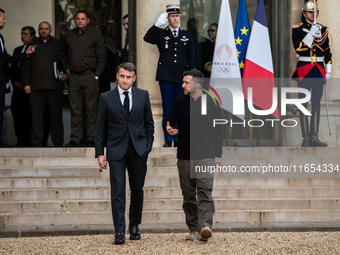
x=298, y=25
x=322, y=26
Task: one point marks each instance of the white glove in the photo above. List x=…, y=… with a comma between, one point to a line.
x=314, y=28
x=328, y=75
x=162, y=20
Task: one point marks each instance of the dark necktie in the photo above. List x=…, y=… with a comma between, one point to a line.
x=126, y=101
x=2, y=46
x=175, y=33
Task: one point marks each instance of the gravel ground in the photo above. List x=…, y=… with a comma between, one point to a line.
x=173, y=243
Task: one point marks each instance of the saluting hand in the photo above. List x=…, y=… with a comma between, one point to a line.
x=162, y=20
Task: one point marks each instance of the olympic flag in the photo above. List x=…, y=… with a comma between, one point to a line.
x=225, y=69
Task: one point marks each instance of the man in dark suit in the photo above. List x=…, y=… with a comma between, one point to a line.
x=125, y=125
x=176, y=55
x=5, y=59
x=20, y=105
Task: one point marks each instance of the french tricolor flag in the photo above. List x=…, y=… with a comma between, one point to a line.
x=258, y=69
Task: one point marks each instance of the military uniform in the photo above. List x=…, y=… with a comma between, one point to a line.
x=315, y=60
x=176, y=55
x=315, y=56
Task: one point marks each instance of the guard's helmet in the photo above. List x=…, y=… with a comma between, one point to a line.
x=308, y=6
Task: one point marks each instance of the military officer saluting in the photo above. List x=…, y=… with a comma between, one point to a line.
x=313, y=68
x=176, y=55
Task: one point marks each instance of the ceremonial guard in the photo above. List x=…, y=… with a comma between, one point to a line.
x=313, y=69
x=176, y=55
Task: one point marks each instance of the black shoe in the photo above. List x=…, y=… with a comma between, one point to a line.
x=90, y=143
x=120, y=238
x=314, y=128
x=167, y=144
x=3, y=144
x=134, y=233
x=175, y=144
x=72, y=144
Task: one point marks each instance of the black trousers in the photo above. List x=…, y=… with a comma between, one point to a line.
x=21, y=112
x=136, y=168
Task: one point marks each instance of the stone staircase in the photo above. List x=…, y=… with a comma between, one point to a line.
x=48, y=187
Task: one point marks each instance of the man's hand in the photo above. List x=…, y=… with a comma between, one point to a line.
x=314, y=29
x=162, y=20
x=218, y=161
x=170, y=130
x=30, y=49
x=7, y=85
x=328, y=75
x=102, y=162
x=27, y=89
x=65, y=77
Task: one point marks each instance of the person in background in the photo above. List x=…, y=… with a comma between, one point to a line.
x=45, y=89
x=208, y=50
x=313, y=69
x=123, y=54
x=20, y=105
x=83, y=54
x=5, y=59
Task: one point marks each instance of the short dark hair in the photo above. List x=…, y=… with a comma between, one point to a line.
x=82, y=11
x=214, y=24
x=2, y=10
x=197, y=75
x=125, y=16
x=30, y=29
x=193, y=24
x=127, y=66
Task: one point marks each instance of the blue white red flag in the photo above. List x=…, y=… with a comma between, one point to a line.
x=258, y=70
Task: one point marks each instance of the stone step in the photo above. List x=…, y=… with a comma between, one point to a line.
x=264, y=216
x=98, y=193
x=95, y=172
x=281, y=152
x=228, y=152
x=45, y=152
x=93, y=206
x=159, y=182
x=53, y=173
x=70, y=162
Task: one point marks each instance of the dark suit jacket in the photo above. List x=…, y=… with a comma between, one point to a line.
x=15, y=70
x=176, y=55
x=115, y=125
x=5, y=59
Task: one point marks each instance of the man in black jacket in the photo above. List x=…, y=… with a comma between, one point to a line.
x=45, y=88
x=20, y=105
x=199, y=146
x=83, y=55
